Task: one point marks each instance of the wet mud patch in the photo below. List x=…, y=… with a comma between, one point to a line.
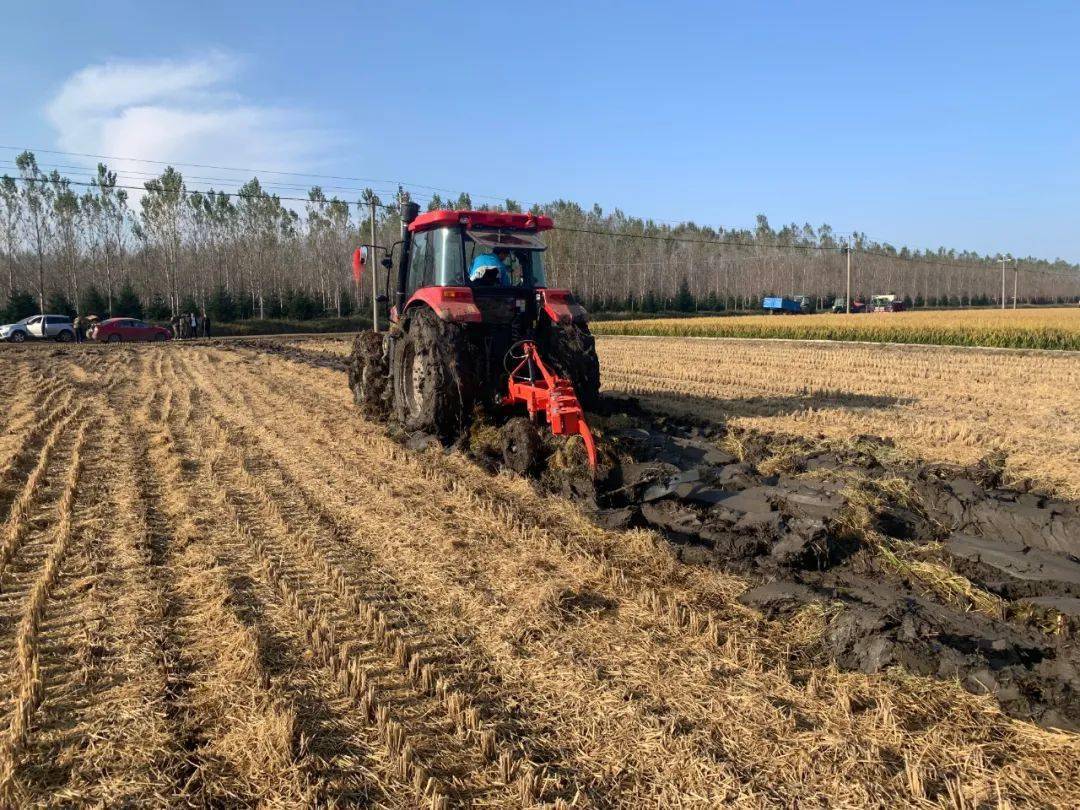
x=279, y=348
x=942, y=570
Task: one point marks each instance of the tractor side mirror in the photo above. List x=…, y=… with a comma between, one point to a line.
x=381, y=299
x=387, y=262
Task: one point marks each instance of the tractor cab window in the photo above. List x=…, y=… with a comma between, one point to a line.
x=435, y=260
x=521, y=252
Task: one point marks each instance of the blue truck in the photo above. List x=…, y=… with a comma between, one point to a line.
x=796, y=305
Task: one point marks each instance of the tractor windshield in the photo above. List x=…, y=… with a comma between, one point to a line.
x=521, y=252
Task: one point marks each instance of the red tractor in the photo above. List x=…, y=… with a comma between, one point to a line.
x=502, y=342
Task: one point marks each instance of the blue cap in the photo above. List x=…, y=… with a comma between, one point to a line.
x=484, y=262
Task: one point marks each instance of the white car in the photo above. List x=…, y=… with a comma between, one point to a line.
x=58, y=327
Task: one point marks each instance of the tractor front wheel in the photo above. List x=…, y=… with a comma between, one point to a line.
x=369, y=375
x=434, y=386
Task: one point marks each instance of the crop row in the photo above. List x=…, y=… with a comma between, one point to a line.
x=1031, y=329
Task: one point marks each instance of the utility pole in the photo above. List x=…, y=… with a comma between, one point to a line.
x=1016, y=274
x=847, y=299
x=1003, y=260
x=374, y=272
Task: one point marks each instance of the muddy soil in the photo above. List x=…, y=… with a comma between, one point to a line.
x=944, y=571
x=939, y=569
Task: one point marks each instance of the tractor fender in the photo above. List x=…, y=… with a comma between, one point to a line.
x=454, y=304
x=562, y=307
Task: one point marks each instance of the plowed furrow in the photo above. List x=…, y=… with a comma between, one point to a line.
x=34, y=674
x=468, y=565
x=158, y=547
x=13, y=378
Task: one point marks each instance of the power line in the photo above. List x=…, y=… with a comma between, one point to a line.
x=140, y=175
x=242, y=170
x=685, y=240
x=187, y=192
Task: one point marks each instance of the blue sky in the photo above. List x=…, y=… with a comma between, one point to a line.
x=922, y=124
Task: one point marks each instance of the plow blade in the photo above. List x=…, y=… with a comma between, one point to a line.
x=547, y=396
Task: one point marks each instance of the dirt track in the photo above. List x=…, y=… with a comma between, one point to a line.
x=220, y=586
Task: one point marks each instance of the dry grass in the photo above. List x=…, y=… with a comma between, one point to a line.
x=941, y=404
x=1020, y=328
x=299, y=611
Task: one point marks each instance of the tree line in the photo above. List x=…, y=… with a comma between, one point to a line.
x=87, y=246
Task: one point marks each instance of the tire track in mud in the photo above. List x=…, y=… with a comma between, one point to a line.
x=757, y=647
x=431, y=733
x=574, y=670
x=31, y=678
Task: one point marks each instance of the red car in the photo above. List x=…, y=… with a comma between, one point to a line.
x=116, y=330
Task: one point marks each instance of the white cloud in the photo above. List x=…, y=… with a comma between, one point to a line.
x=182, y=111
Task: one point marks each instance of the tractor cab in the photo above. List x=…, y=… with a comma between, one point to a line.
x=478, y=267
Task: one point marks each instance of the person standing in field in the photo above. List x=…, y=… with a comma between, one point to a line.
x=80, y=328
x=193, y=326
x=174, y=323
x=204, y=324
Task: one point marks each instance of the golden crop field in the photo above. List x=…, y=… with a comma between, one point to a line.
x=1057, y=328
x=220, y=587
x=936, y=403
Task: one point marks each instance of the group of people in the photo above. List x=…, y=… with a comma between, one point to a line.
x=82, y=326
x=190, y=325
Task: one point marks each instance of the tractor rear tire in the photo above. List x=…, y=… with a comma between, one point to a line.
x=369, y=375
x=433, y=376
x=521, y=446
x=570, y=350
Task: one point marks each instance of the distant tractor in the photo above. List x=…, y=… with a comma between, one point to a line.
x=475, y=328
x=840, y=305
x=795, y=305
x=888, y=303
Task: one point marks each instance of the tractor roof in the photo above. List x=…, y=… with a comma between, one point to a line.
x=481, y=219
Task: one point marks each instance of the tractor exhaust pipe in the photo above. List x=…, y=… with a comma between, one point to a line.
x=409, y=211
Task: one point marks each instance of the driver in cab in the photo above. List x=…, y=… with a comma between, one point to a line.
x=491, y=269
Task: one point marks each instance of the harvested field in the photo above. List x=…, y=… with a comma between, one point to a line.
x=1050, y=328
x=221, y=586
x=940, y=403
